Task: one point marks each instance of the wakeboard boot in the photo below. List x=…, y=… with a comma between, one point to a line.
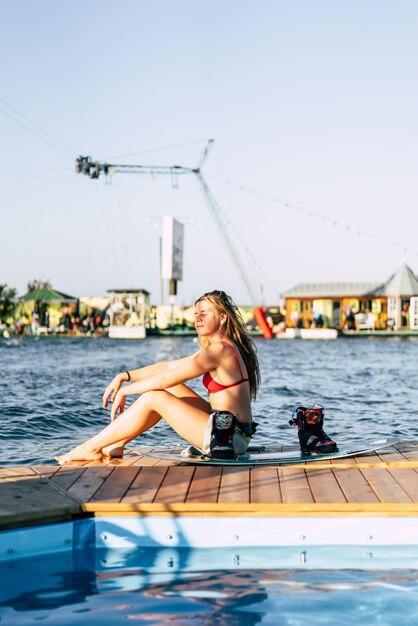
x=223, y=428
x=312, y=437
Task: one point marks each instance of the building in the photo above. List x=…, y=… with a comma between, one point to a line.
x=392, y=305
x=128, y=313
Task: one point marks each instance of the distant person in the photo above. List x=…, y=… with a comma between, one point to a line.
x=405, y=315
x=76, y=325
x=390, y=324
x=222, y=426
x=66, y=323
x=294, y=318
x=350, y=320
x=318, y=320
x=89, y=325
x=35, y=321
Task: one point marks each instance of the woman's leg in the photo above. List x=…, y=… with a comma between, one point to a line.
x=180, y=391
x=186, y=414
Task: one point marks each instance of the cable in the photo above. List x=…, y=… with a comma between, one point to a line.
x=324, y=218
x=56, y=177
x=217, y=216
x=61, y=147
x=249, y=254
x=35, y=169
x=179, y=145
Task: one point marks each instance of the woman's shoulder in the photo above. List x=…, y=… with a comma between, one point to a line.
x=221, y=349
x=215, y=348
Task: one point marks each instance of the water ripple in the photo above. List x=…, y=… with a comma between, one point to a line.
x=51, y=390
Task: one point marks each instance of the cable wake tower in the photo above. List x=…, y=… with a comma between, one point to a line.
x=93, y=169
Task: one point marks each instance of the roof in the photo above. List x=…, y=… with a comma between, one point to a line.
x=95, y=302
x=144, y=291
x=402, y=283
x=47, y=295
x=329, y=290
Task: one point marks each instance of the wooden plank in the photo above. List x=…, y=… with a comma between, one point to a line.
x=146, y=484
x=235, y=485
x=364, y=457
x=368, y=457
x=406, y=445
x=408, y=450
x=354, y=485
x=205, y=484
x=67, y=476
x=46, y=470
x=294, y=509
x=22, y=470
x=264, y=485
x=89, y=482
x=126, y=461
x=148, y=461
x=175, y=485
x=29, y=499
x=167, y=463
x=116, y=484
x=408, y=480
x=294, y=485
x=390, y=455
x=324, y=486
x=385, y=486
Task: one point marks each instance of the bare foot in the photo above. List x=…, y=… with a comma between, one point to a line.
x=115, y=452
x=80, y=453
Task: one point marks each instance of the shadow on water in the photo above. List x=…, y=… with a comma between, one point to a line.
x=153, y=584
x=156, y=584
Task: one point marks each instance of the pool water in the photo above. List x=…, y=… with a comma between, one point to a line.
x=278, y=585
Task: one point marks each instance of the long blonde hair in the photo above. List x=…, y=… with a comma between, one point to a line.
x=234, y=329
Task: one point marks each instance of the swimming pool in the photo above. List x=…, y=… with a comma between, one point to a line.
x=152, y=571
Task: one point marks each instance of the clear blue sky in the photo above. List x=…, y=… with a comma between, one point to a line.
x=312, y=105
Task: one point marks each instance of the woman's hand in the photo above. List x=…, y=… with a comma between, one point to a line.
x=112, y=389
x=118, y=404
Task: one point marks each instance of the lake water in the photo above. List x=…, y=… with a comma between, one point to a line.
x=51, y=389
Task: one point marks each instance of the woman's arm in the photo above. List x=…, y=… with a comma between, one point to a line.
x=178, y=372
x=137, y=375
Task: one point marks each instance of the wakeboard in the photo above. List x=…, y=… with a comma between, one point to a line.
x=272, y=455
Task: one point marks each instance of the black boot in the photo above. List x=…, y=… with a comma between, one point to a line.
x=223, y=428
x=312, y=438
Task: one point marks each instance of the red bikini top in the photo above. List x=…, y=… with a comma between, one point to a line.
x=212, y=386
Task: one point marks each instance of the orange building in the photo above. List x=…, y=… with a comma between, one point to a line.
x=392, y=305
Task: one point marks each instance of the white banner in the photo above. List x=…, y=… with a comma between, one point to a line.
x=172, y=249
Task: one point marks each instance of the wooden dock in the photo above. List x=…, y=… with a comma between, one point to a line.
x=375, y=484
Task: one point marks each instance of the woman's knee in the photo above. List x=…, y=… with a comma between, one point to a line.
x=152, y=399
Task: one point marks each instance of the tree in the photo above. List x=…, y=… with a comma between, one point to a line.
x=37, y=284
x=7, y=302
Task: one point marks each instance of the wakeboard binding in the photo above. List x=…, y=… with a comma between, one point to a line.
x=223, y=428
x=312, y=437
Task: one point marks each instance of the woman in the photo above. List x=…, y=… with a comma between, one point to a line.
x=221, y=427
